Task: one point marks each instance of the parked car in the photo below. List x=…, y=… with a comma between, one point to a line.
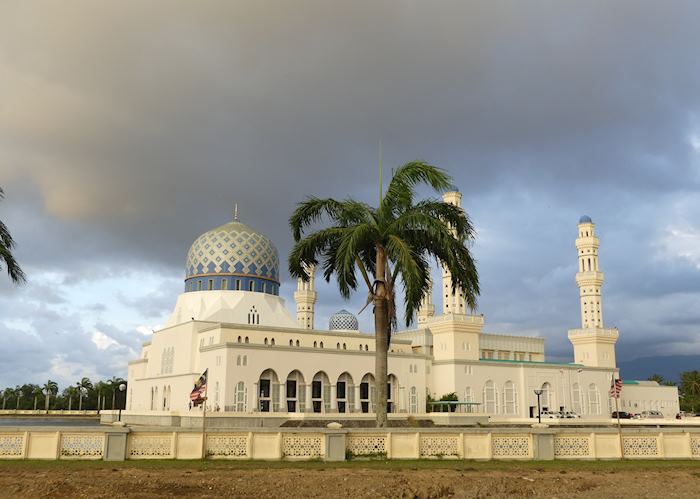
x=652, y=415
x=550, y=415
x=569, y=415
x=622, y=415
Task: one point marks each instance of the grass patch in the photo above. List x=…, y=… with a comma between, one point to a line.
x=378, y=464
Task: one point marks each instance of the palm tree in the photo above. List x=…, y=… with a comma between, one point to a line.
x=19, y=394
x=5, y=393
x=656, y=377
x=50, y=388
x=690, y=388
x=83, y=386
x=36, y=392
x=394, y=242
x=6, y=245
x=70, y=392
x=114, y=383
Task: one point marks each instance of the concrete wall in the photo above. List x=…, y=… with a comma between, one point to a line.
x=116, y=443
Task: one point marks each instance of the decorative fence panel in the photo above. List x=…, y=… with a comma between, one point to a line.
x=145, y=446
x=572, y=446
x=227, y=446
x=11, y=445
x=641, y=446
x=302, y=445
x=366, y=445
x=439, y=445
x=695, y=446
x=82, y=445
x=511, y=446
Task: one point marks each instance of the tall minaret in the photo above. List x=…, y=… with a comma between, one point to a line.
x=305, y=296
x=427, y=309
x=589, y=278
x=593, y=344
x=452, y=303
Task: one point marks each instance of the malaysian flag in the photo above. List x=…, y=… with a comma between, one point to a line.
x=615, y=388
x=200, y=388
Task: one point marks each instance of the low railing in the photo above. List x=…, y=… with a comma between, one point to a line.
x=117, y=443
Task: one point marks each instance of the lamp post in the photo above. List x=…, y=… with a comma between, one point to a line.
x=122, y=387
x=539, y=412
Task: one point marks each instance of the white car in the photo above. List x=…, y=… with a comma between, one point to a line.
x=570, y=415
x=652, y=415
x=550, y=415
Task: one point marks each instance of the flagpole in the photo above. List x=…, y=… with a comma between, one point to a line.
x=619, y=426
x=204, y=417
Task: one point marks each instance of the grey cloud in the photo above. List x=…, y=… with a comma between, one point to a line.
x=127, y=133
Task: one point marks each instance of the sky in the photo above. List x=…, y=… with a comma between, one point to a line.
x=129, y=128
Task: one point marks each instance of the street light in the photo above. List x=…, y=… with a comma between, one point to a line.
x=122, y=387
x=539, y=412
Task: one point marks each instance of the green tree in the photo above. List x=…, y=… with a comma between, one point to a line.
x=6, y=393
x=36, y=391
x=49, y=388
x=70, y=393
x=394, y=243
x=114, y=383
x=6, y=245
x=690, y=390
x=656, y=377
x=19, y=393
x=84, y=386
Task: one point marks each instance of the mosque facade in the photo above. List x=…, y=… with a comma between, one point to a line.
x=263, y=358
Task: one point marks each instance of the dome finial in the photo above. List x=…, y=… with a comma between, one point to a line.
x=235, y=212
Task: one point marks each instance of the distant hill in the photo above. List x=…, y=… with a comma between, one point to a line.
x=669, y=366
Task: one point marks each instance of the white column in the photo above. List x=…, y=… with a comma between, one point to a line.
x=308, y=405
x=334, y=399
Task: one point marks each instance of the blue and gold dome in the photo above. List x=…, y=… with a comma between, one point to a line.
x=233, y=257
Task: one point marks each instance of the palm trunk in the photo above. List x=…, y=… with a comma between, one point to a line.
x=48, y=399
x=70, y=402
x=381, y=336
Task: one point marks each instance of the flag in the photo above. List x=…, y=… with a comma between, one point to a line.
x=200, y=388
x=615, y=388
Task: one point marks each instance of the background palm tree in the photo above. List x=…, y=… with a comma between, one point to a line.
x=69, y=393
x=84, y=386
x=50, y=388
x=36, y=391
x=114, y=383
x=6, y=245
x=6, y=393
x=394, y=242
x=19, y=394
x=690, y=389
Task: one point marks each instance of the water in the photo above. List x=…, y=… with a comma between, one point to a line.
x=48, y=421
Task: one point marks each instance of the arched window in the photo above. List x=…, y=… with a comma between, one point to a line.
x=490, y=398
x=291, y=343
x=245, y=360
x=238, y=360
x=366, y=348
x=413, y=401
x=547, y=402
x=251, y=286
x=297, y=343
x=265, y=341
x=272, y=342
x=320, y=345
x=468, y=395
x=337, y=346
x=253, y=316
x=510, y=398
x=345, y=347
x=593, y=399
x=247, y=340
x=576, y=399
x=239, y=339
x=315, y=344
x=360, y=347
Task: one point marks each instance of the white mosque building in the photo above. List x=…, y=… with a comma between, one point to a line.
x=261, y=358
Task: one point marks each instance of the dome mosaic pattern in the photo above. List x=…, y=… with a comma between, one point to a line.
x=236, y=250
x=343, y=321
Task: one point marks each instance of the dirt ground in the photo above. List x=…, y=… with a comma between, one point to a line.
x=192, y=480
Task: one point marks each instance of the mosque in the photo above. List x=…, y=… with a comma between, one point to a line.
x=262, y=359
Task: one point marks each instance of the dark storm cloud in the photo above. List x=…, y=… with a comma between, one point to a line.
x=127, y=129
